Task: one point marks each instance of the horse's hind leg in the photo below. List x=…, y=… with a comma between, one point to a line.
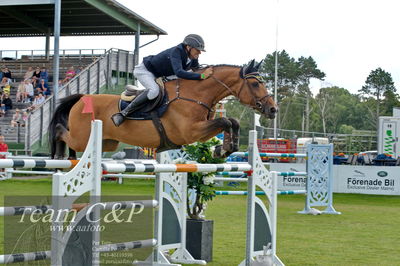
x=110, y=144
x=72, y=154
x=60, y=144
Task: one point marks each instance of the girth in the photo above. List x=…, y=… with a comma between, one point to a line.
x=165, y=142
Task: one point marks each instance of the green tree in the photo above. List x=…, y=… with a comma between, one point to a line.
x=389, y=101
x=308, y=70
x=337, y=106
x=288, y=73
x=377, y=84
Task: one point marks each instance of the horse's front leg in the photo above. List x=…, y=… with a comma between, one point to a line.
x=204, y=130
x=235, y=134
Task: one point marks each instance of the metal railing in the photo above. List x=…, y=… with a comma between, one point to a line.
x=347, y=143
x=38, y=54
x=91, y=80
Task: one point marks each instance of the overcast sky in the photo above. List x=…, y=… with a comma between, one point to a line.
x=347, y=38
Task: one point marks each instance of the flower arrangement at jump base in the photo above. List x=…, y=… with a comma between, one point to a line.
x=201, y=183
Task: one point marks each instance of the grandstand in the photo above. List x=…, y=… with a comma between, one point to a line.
x=105, y=71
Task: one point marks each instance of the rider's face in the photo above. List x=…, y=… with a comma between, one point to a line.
x=194, y=53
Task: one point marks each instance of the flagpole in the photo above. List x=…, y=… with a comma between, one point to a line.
x=276, y=68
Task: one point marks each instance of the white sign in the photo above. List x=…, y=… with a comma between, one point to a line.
x=289, y=182
x=376, y=180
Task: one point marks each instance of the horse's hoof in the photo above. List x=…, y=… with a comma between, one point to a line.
x=117, y=119
x=220, y=152
x=235, y=145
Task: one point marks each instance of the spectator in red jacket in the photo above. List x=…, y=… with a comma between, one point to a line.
x=3, y=147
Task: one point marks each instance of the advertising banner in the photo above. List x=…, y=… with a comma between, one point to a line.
x=289, y=182
x=376, y=180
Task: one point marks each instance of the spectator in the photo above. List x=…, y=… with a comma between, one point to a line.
x=29, y=90
x=79, y=70
x=42, y=87
x=29, y=73
x=17, y=118
x=36, y=77
x=7, y=73
x=1, y=73
x=3, y=147
x=39, y=99
x=6, y=103
x=21, y=92
x=4, y=83
x=69, y=75
x=24, y=118
x=7, y=89
x=44, y=75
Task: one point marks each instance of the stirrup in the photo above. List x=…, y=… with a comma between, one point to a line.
x=118, y=119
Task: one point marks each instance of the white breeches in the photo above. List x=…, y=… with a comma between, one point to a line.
x=147, y=79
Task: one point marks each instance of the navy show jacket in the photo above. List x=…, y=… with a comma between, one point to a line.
x=172, y=61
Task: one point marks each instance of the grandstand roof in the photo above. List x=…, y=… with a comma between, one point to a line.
x=23, y=18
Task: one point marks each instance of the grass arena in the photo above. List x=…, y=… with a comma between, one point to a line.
x=366, y=233
x=362, y=234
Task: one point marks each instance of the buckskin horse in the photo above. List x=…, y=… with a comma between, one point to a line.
x=191, y=104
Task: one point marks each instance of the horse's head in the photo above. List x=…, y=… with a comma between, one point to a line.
x=254, y=93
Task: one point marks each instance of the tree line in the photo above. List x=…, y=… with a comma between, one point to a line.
x=332, y=110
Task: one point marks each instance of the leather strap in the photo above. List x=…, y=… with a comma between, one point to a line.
x=165, y=142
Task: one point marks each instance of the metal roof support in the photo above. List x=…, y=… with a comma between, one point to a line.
x=48, y=44
x=56, y=57
x=136, y=51
x=25, y=2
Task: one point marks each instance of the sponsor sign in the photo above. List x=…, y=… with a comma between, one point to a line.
x=289, y=182
x=377, y=180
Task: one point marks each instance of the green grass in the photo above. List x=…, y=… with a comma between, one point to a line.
x=366, y=233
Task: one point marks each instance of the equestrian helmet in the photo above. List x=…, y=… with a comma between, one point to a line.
x=195, y=41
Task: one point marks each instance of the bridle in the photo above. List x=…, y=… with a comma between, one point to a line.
x=257, y=100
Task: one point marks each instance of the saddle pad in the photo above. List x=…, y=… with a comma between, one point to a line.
x=140, y=114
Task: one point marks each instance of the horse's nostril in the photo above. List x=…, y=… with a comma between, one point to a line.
x=273, y=110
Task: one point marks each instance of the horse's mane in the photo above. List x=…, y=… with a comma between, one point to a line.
x=226, y=65
x=204, y=67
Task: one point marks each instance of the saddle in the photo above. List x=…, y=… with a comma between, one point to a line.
x=158, y=104
x=151, y=110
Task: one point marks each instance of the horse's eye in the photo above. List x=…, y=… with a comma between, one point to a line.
x=255, y=84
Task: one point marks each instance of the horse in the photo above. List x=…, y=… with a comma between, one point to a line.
x=191, y=105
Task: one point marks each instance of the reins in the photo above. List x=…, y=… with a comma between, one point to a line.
x=257, y=101
x=178, y=97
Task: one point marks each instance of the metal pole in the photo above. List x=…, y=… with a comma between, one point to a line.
x=47, y=53
x=56, y=57
x=276, y=69
x=136, y=52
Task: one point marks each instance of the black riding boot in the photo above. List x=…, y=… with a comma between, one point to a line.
x=119, y=118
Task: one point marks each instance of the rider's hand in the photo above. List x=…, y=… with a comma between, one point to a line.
x=207, y=73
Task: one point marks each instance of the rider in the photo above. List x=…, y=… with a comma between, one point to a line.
x=173, y=61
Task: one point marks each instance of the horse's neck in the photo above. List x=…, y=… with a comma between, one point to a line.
x=210, y=91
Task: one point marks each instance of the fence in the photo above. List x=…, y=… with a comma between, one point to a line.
x=41, y=54
x=347, y=143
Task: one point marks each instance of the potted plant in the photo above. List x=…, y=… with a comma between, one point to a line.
x=199, y=231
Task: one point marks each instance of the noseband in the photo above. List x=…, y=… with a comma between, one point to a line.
x=257, y=101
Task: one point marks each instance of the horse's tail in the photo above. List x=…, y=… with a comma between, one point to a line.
x=60, y=116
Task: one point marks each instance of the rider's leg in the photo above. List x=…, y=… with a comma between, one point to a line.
x=147, y=79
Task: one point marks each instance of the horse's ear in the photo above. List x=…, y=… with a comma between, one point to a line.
x=257, y=67
x=249, y=68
